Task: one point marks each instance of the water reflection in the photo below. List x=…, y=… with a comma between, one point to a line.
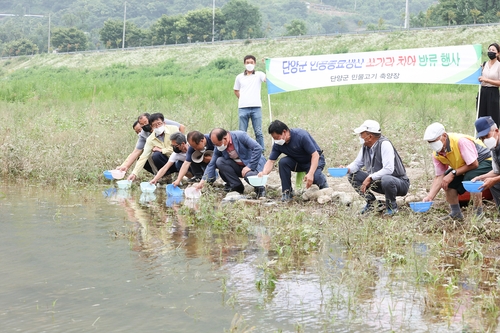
x=107, y=260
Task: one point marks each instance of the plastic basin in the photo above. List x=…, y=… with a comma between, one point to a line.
x=117, y=174
x=107, y=174
x=472, y=187
x=192, y=192
x=124, y=184
x=420, y=207
x=146, y=187
x=337, y=172
x=174, y=191
x=257, y=181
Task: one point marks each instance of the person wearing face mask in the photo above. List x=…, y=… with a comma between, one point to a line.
x=302, y=155
x=488, y=104
x=155, y=148
x=198, y=155
x=456, y=157
x=144, y=131
x=247, y=88
x=236, y=156
x=487, y=131
x=177, y=159
x=384, y=170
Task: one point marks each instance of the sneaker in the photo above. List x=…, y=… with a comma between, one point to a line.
x=370, y=207
x=449, y=217
x=194, y=179
x=260, y=192
x=390, y=211
x=286, y=196
x=227, y=187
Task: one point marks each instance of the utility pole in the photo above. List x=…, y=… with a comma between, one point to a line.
x=124, y=20
x=407, y=16
x=213, y=21
x=48, y=42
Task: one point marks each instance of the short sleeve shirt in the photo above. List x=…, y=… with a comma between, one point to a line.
x=300, y=147
x=249, y=87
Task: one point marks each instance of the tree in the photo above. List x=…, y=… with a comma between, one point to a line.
x=296, y=28
x=240, y=16
x=69, y=39
x=163, y=30
x=475, y=14
x=20, y=47
x=113, y=32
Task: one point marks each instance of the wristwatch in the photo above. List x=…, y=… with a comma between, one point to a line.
x=454, y=172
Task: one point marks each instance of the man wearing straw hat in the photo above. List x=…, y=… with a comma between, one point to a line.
x=456, y=157
x=302, y=154
x=487, y=131
x=385, y=172
x=198, y=155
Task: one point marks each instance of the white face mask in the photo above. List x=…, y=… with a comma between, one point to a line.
x=280, y=142
x=361, y=140
x=159, y=130
x=490, y=142
x=437, y=146
x=250, y=67
x=221, y=147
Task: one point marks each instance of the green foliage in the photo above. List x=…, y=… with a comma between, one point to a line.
x=20, y=47
x=243, y=20
x=296, y=28
x=111, y=35
x=69, y=39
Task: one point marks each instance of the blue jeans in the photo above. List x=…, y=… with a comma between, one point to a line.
x=255, y=114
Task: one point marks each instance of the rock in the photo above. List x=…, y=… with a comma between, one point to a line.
x=324, y=199
x=343, y=198
x=308, y=194
x=314, y=193
x=413, y=198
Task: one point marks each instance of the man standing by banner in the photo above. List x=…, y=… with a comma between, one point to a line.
x=247, y=88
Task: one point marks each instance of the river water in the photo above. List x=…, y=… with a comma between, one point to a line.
x=109, y=261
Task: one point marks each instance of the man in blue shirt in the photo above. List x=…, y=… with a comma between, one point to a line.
x=236, y=156
x=302, y=155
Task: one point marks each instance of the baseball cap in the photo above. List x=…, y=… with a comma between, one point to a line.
x=433, y=131
x=368, y=126
x=483, y=126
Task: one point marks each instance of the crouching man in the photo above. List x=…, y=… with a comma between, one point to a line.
x=456, y=157
x=385, y=172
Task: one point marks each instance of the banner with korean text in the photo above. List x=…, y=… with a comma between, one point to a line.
x=440, y=65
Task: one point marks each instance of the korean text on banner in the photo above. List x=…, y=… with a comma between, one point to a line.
x=445, y=65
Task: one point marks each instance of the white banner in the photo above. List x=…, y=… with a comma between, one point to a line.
x=446, y=65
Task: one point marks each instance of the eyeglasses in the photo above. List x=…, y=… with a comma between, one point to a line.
x=176, y=146
x=157, y=124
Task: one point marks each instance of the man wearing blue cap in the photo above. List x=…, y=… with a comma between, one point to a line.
x=487, y=131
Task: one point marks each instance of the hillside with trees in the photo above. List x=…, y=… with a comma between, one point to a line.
x=97, y=24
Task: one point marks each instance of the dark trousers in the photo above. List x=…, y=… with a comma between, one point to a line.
x=160, y=160
x=288, y=164
x=389, y=185
x=197, y=169
x=230, y=172
x=489, y=104
x=495, y=193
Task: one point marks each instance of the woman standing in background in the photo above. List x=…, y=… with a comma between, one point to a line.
x=490, y=81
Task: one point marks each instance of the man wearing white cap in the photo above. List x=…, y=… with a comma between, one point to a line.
x=385, y=172
x=487, y=131
x=456, y=157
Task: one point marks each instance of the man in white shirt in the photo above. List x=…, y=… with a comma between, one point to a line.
x=178, y=157
x=247, y=88
x=385, y=173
